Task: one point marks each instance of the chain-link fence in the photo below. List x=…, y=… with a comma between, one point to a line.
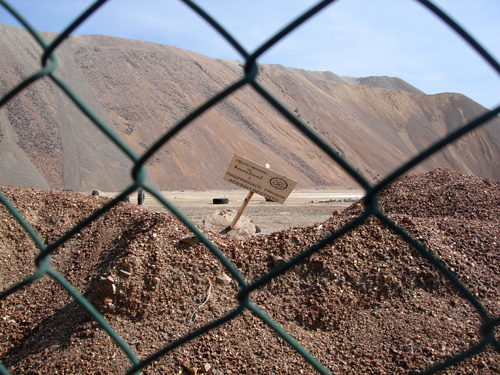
x=48, y=68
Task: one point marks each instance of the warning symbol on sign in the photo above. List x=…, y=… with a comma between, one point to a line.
x=278, y=183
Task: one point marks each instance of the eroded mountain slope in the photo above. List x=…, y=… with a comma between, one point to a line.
x=141, y=89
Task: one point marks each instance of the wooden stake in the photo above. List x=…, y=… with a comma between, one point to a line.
x=240, y=211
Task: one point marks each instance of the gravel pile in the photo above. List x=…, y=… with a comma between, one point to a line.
x=367, y=304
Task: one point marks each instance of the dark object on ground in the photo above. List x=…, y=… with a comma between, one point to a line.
x=141, y=197
x=191, y=240
x=225, y=230
x=126, y=199
x=95, y=192
x=221, y=201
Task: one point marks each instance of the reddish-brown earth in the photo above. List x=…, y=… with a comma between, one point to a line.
x=140, y=90
x=367, y=304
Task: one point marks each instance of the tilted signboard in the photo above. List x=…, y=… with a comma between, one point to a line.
x=259, y=179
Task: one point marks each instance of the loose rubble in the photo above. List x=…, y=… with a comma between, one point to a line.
x=366, y=304
x=220, y=221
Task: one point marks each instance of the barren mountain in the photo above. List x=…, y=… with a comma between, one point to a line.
x=141, y=89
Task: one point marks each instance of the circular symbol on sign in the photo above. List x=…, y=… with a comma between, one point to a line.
x=278, y=183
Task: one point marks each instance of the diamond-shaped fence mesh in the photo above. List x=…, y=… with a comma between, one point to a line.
x=48, y=68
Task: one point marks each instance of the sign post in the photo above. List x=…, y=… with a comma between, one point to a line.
x=259, y=180
x=240, y=211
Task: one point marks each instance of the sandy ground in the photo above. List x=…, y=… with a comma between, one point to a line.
x=302, y=208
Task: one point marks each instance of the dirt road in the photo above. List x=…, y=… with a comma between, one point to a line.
x=302, y=208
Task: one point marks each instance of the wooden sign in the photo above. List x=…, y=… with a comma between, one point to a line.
x=259, y=179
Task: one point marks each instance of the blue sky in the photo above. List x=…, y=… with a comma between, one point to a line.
x=355, y=38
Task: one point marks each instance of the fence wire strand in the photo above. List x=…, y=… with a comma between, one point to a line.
x=48, y=67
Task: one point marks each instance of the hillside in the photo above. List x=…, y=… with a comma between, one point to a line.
x=141, y=89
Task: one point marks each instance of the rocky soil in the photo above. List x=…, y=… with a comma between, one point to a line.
x=367, y=304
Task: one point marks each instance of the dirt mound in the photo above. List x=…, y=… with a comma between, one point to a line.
x=219, y=221
x=367, y=304
x=443, y=192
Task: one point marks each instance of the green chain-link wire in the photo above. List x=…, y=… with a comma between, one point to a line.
x=48, y=67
